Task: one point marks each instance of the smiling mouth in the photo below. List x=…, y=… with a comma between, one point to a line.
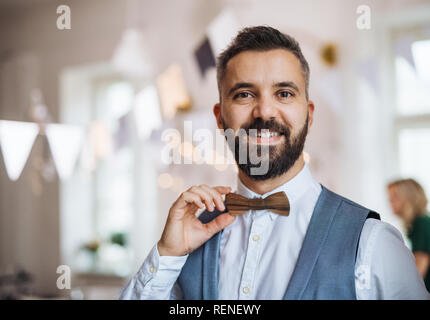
x=265, y=136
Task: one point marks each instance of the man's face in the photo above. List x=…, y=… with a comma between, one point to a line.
x=266, y=90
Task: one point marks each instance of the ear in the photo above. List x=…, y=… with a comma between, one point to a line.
x=311, y=108
x=217, y=113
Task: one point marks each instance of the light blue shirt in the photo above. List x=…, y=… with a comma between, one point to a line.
x=259, y=250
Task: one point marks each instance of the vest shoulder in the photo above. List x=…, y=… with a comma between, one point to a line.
x=350, y=203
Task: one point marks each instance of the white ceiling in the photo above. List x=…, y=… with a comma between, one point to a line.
x=18, y=3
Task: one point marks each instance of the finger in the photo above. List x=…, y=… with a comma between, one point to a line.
x=189, y=197
x=205, y=196
x=222, y=189
x=217, y=197
x=219, y=223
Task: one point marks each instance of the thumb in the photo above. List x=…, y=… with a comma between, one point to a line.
x=222, y=189
x=219, y=223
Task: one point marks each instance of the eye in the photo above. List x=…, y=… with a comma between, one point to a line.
x=242, y=95
x=285, y=94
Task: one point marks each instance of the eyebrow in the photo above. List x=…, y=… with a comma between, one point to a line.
x=287, y=84
x=283, y=84
x=240, y=85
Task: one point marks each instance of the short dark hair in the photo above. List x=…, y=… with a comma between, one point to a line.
x=260, y=38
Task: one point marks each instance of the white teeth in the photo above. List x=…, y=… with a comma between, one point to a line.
x=267, y=134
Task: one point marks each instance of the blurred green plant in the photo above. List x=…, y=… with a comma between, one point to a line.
x=92, y=246
x=119, y=238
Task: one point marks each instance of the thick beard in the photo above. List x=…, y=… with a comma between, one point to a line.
x=281, y=158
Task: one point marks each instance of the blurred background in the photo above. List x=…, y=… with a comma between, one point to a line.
x=84, y=103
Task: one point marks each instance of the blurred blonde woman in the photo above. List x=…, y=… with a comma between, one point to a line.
x=409, y=202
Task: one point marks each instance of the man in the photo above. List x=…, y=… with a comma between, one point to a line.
x=327, y=247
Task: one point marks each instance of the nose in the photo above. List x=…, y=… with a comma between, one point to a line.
x=265, y=108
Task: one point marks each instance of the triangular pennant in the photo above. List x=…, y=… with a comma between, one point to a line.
x=101, y=140
x=222, y=30
x=130, y=56
x=403, y=48
x=65, y=142
x=147, y=111
x=122, y=135
x=87, y=159
x=172, y=91
x=421, y=52
x=16, y=140
x=329, y=87
x=205, y=57
x=368, y=70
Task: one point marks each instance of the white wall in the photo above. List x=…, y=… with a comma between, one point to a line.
x=30, y=224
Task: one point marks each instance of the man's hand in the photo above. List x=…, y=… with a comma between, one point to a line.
x=183, y=231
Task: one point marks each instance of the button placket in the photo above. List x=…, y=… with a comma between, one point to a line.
x=259, y=223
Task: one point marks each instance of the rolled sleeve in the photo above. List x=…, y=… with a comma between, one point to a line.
x=156, y=278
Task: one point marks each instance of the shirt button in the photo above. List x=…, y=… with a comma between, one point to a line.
x=245, y=290
x=256, y=237
x=152, y=269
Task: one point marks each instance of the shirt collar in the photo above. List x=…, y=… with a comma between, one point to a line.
x=293, y=188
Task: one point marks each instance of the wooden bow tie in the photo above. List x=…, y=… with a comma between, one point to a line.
x=277, y=202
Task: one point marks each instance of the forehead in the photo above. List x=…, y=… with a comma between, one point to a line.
x=395, y=190
x=264, y=67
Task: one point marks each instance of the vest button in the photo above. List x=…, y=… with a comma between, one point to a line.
x=245, y=290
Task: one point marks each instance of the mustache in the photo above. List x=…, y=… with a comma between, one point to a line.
x=271, y=125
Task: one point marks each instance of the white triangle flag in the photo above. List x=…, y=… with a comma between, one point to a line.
x=147, y=111
x=331, y=88
x=368, y=70
x=222, y=30
x=65, y=142
x=16, y=140
x=403, y=48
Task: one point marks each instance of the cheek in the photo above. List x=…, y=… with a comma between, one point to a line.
x=236, y=117
x=295, y=117
x=398, y=205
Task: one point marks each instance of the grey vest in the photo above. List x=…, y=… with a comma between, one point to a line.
x=326, y=262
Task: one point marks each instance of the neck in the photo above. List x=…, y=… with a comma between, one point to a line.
x=264, y=186
x=408, y=221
